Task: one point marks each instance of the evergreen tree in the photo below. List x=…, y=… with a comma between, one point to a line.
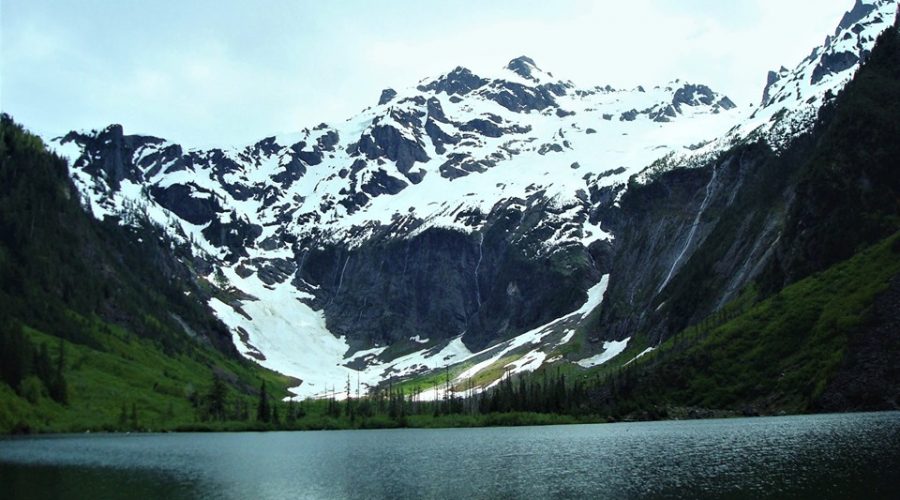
x=276, y=419
x=59, y=390
x=43, y=368
x=134, y=416
x=217, y=398
x=123, y=417
x=263, y=413
x=290, y=415
x=16, y=354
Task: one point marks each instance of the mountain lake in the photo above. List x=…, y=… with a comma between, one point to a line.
x=826, y=456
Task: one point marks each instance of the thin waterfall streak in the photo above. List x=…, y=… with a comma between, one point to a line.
x=694, y=225
x=302, y=260
x=340, y=279
x=477, y=266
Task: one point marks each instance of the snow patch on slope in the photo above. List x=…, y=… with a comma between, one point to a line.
x=610, y=350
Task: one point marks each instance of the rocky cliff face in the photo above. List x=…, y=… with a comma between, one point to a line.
x=443, y=283
x=692, y=239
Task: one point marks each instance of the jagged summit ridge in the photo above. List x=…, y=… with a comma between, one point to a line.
x=792, y=97
x=861, y=9
x=414, y=145
x=526, y=68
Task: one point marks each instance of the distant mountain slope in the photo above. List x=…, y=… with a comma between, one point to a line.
x=691, y=241
x=117, y=304
x=466, y=218
x=826, y=343
x=754, y=215
x=788, y=289
x=58, y=260
x=478, y=187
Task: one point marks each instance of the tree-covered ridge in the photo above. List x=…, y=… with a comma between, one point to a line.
x=56, y=260
x=96, y=316
x=848, y=195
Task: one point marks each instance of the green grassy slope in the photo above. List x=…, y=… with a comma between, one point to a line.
x=126, y=374
x=779, y=355
x=114, y=297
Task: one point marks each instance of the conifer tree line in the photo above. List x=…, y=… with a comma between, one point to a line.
x=550, y=393
x=31, y=370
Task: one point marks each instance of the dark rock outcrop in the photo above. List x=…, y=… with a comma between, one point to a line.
x=859, y=11
x=696, y=95
x=522, y=66
x=493, y=284
x=385, y=141
x=234, y=233
x=519, y=98
x=460, y=82
x=189, y=202
x=387, y=95
x=832, y=63
x=111, y=154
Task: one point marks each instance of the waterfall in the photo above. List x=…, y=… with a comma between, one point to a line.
x=340, y=279
x=692, y=231
x=405, y=260
x=363, y=308
x=478, y=265
x=302, y=260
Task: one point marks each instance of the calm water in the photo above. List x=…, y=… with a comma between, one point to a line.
x=855, y=456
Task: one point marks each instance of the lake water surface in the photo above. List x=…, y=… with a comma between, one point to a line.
x=826, y=456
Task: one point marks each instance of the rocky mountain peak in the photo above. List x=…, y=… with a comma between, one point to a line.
x=460, y=81
x=386, y=96
x=860, y=11
x=523, y=66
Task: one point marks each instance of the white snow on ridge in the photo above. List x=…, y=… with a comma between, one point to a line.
x=590, y=142
x=534, y=337
x=560, y=155
x=795, y=98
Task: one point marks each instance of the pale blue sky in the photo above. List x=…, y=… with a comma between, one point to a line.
x=226, y=72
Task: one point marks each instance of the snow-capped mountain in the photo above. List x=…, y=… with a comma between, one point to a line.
x=465, y=221
x=792, y=98
x=455, y=144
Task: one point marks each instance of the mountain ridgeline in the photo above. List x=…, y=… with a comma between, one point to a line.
x=768, y=310
x=632, y=244
x=97, y=317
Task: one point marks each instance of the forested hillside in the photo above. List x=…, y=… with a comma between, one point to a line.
x=97, y=316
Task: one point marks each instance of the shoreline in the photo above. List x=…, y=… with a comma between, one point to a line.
x=493, y=420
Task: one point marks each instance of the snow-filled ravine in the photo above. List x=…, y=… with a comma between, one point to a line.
x=296, y=342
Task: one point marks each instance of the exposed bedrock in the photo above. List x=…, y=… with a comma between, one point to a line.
x=490, y=284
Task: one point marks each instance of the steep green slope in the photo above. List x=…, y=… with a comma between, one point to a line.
x=848, y=194
x=779, y=355
x=812, y=331
x=113, y=299
x=825, y=340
